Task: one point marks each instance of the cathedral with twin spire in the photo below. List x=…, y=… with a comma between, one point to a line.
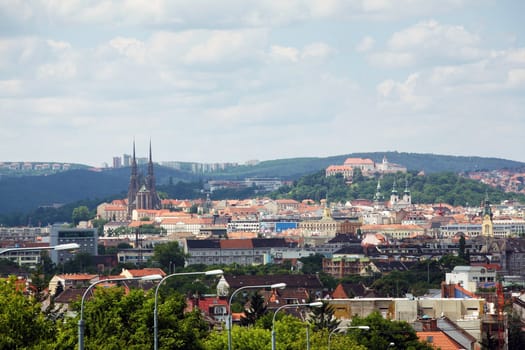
x=142, y=193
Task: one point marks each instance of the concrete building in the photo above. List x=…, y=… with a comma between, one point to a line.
x=244, y=252
x=466, y=314
x=472, y=277
x=87, y=239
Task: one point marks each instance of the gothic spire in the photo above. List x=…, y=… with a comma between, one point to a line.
x=150, y=163
x=486, y=206
x=133, y=186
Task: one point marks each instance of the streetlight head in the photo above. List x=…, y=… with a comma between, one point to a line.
x=366, y=328
x=278, y=286
x=214, y=272
x=316, y=304
x=67, y=246
x=151, y=277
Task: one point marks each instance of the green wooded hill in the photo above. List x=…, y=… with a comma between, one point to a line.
x=293, y=168
x=443, y=187
x=25, y=193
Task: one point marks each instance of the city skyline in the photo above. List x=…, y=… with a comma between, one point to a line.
x=233, y=81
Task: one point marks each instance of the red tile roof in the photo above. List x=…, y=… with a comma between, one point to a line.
x=236, y=244
x=439, y=340
x=146, y=272
x=359, y=161
x=77, y=276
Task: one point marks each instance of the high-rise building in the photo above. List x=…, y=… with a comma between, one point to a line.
x=117, y=162
x=126, y=160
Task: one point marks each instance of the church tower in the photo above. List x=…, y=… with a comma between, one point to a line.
x=150, y=183
x=407, y=198
x=378, y=197
x=394, y=197
x=487, y=226
x=142, y=193
x=133, y=186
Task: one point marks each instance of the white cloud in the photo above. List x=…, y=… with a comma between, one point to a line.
x=11, y=87
x=366, y=44
x=377, y=5
x=405, y=93
x=516, y=77
x=251, y=78
x=317, y=50
x=281, y=53
x=428, y=42
x=60, y=70
x=431, y=34
x=392, y=59
x=291, y=54
x=516, y=56
x=207, y=46
x=130, y=47
x=219, y=46
x=212, y=13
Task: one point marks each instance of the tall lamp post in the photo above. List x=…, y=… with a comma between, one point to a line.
x=67, y=246
x=81, y=321
x=314, y=304
x=155, y=311
x=366, y=328
x=229, y=325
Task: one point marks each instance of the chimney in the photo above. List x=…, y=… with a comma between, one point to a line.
x=429, y=324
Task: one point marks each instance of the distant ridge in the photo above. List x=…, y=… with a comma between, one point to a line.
x=429, y=163
x=23, y=193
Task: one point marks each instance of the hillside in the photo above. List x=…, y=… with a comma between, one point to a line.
x=429, y=163
x=21, y=194
x=444, y=187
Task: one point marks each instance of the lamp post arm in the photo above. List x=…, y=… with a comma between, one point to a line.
x=91, y=286
x=155, y=311
x=229, y=320
x=277, y=311
x=229, y=325
x=81, y=320
x=7, y=250
x=273, y=322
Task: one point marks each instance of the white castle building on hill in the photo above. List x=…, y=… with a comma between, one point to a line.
x=367, y=167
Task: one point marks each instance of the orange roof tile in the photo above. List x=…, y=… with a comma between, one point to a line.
x=359, y=161
x=236, y=244
x=391, y=227
x=439, y=340
x=77, y=276
x=242, y=235
x=146, y=272
x=286, y=201
x=140, y=223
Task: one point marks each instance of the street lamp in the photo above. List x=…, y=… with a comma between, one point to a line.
x=229, y=325
x=81, y=320
x=365, y=328
x=314, y=304
x=67, y=246
x=155, y=318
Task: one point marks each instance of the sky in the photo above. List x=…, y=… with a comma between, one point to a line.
x=238, y=80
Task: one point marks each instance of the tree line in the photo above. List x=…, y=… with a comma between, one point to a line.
x=115, y=318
